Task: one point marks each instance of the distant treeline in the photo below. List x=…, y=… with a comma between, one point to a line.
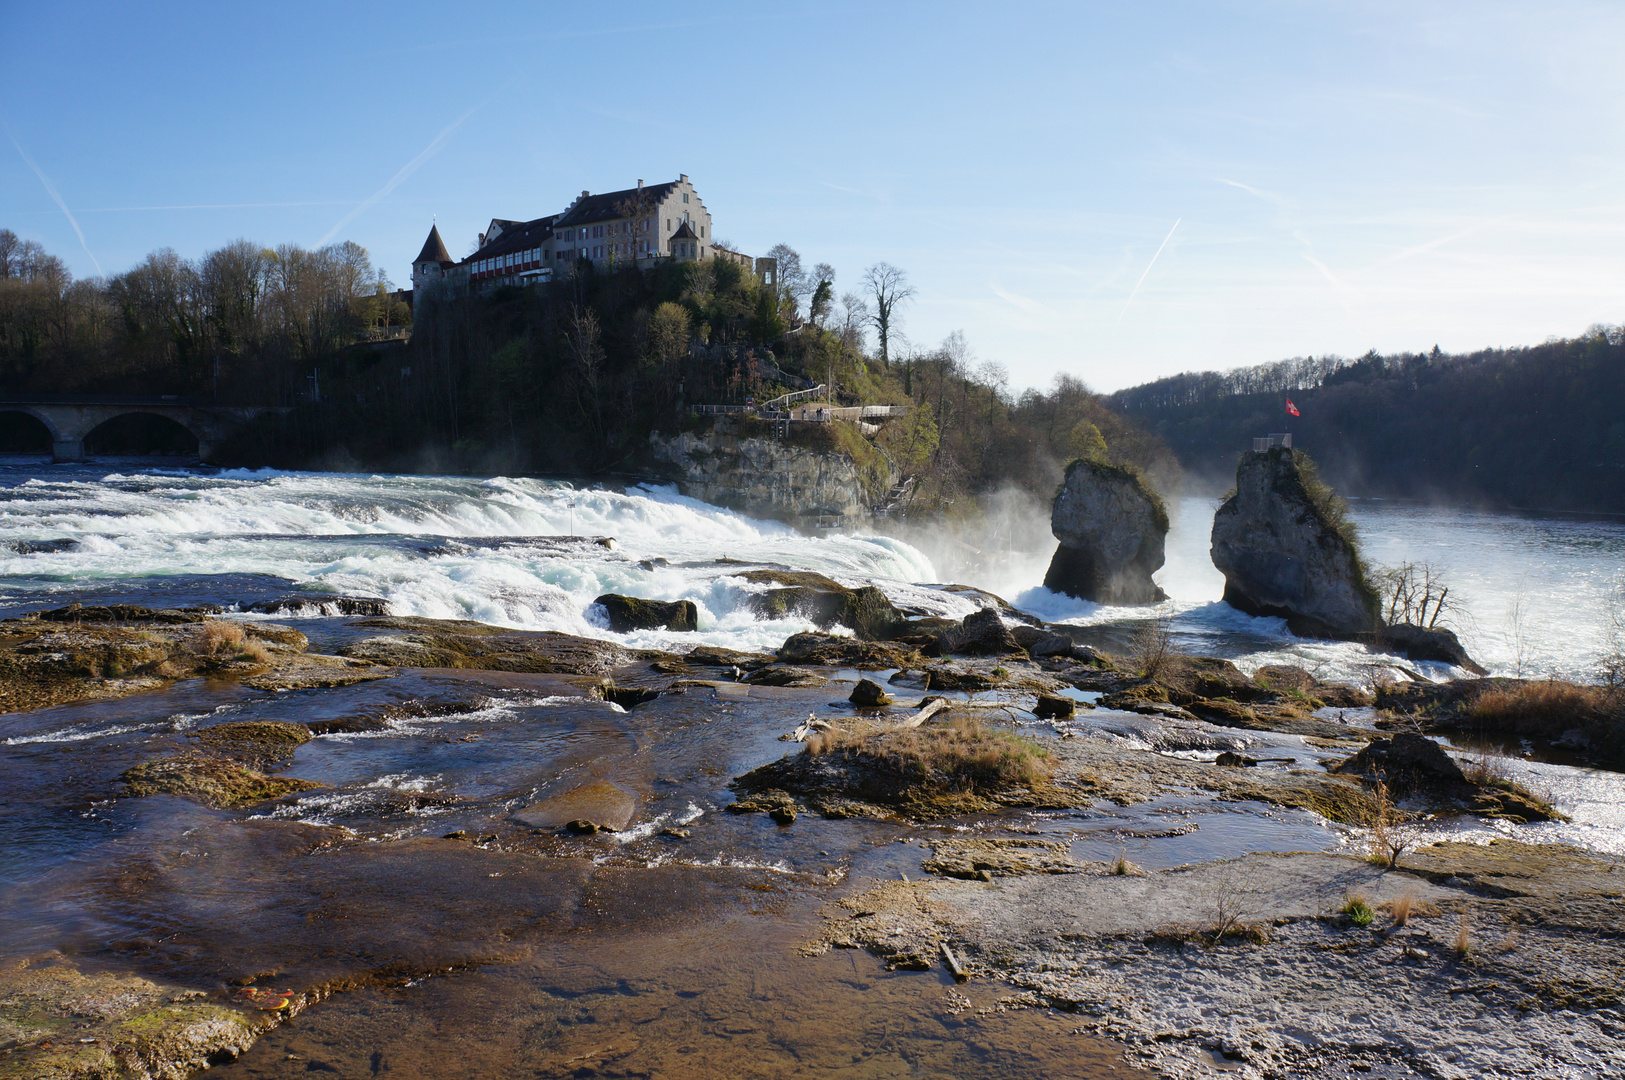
x=1540, y=427
x=565, y=378
x=243, y=324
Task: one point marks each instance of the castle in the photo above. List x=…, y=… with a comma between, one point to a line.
x=637, y=226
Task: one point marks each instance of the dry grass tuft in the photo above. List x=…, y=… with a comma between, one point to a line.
x=1407, y=907
x=1122, y=867
x=1464, y=935
x=1487, y=767
x=220, y=637
x=965, y=755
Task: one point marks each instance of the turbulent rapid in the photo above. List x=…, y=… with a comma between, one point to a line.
x=1533, y=591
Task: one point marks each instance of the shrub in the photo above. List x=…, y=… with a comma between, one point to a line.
x=1393, y=830
x=1152, y=647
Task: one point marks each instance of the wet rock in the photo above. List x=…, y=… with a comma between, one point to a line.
x=627, y=697
x=717, y=656
x=993, y=600
x=1406, y=763
x=983, y=859
x=1050, y=707
x=124, y=613
x=865, y=611
x=1039, y=641
x=784, y=675
x=1112, y=528
x=456, y=643
x=309, y=604
x=600, y=803
x=256, y=743
x=628, y=613
x=1232, y=760
x=981, y=633
x=1285, y=677
x=828, y=650
x=1419, y=643
x=868, y=694
x=216, y=781
x=1283, y=552
x=106, y=1024
x=956, y=677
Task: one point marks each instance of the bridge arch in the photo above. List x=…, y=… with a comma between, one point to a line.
x=139, y=432
x=24, y=431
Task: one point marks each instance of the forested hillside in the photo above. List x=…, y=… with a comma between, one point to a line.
x=1540, y=427
x=564, y=378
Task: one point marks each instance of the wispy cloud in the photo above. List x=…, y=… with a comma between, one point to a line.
x=437, y=144
x=1025, y=303
x=1342, y=290
x=205, y=206
x=51, y=190
x=1278, y=200
x=1148, y=267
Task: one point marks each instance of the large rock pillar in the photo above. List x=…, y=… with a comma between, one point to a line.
x=1112, y=529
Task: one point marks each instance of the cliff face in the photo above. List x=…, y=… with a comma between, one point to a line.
x=1111, y=528
x=765, y=477
x=1282, y=555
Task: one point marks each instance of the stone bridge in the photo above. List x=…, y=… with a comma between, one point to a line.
x=71, y=420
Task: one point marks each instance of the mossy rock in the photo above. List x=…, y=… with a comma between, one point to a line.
x=255, y=742
x=211, y=780
x=629, y=613
x=865, y=611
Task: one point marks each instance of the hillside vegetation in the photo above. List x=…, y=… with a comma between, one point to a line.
x=562, y=378
x=1539, y=427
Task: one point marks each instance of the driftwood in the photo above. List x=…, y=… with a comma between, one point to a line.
x=806, y=728
x=928, y=708
x=948, y=957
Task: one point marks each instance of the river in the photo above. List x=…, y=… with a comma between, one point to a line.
x=667, y=949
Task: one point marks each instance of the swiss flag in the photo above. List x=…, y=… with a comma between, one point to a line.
x=1291, y=408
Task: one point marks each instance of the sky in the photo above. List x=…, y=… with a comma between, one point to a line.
x=1116, y=192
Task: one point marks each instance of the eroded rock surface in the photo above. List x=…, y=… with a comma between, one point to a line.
x=1112, y=529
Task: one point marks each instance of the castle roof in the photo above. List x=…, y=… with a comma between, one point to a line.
x=517, y=236
x=612, y=205
x=434, y=249
x=685, y=233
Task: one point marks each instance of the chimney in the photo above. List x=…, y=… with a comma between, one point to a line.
x=584, y=194
x=640, y=183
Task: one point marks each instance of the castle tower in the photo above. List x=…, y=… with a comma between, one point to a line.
x=429, y=267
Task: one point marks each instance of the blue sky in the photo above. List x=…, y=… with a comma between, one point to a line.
x=1116, y=191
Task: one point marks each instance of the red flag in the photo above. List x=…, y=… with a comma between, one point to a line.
x=1291, y=408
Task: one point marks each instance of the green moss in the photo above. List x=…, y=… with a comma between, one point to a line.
x=1298, y=474
x=213, y=781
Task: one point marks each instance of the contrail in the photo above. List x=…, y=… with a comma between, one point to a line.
x=406, y=170
x=1148, y=267
x=51, y=190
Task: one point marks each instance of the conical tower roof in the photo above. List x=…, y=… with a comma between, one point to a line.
x=434, y=248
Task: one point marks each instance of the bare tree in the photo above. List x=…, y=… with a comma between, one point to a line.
x=793, y=284
x=1415, y=593
x=888, y=287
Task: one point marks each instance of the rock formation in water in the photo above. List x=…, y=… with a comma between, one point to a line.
x=628, y=613
x=770, y=478
x=1283, y=551
x=1111, y=526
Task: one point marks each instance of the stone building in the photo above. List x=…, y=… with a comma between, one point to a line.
x=637, y=226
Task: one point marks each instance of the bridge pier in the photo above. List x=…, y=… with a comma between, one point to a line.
x=68, y=449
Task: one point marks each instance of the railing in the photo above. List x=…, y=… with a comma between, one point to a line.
x=1282, y=439
x=795, y=395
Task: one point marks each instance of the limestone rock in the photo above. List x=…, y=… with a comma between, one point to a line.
x=866, y=611
x=770, y=478
x=1406, y=763
x=1281, y=553
x=1054, y=707
x=1111, y=527
x=628, y=613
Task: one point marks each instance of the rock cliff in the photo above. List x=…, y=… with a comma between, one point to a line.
x=1283, y=552
x=1111, y=527
x=768, y=478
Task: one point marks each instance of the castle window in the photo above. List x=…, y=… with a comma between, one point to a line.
x=685, y=196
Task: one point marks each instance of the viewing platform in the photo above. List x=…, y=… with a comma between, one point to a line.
x=1283, y=439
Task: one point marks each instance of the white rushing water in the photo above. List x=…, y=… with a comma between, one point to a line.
x=1535, y=593
x=453, y=547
